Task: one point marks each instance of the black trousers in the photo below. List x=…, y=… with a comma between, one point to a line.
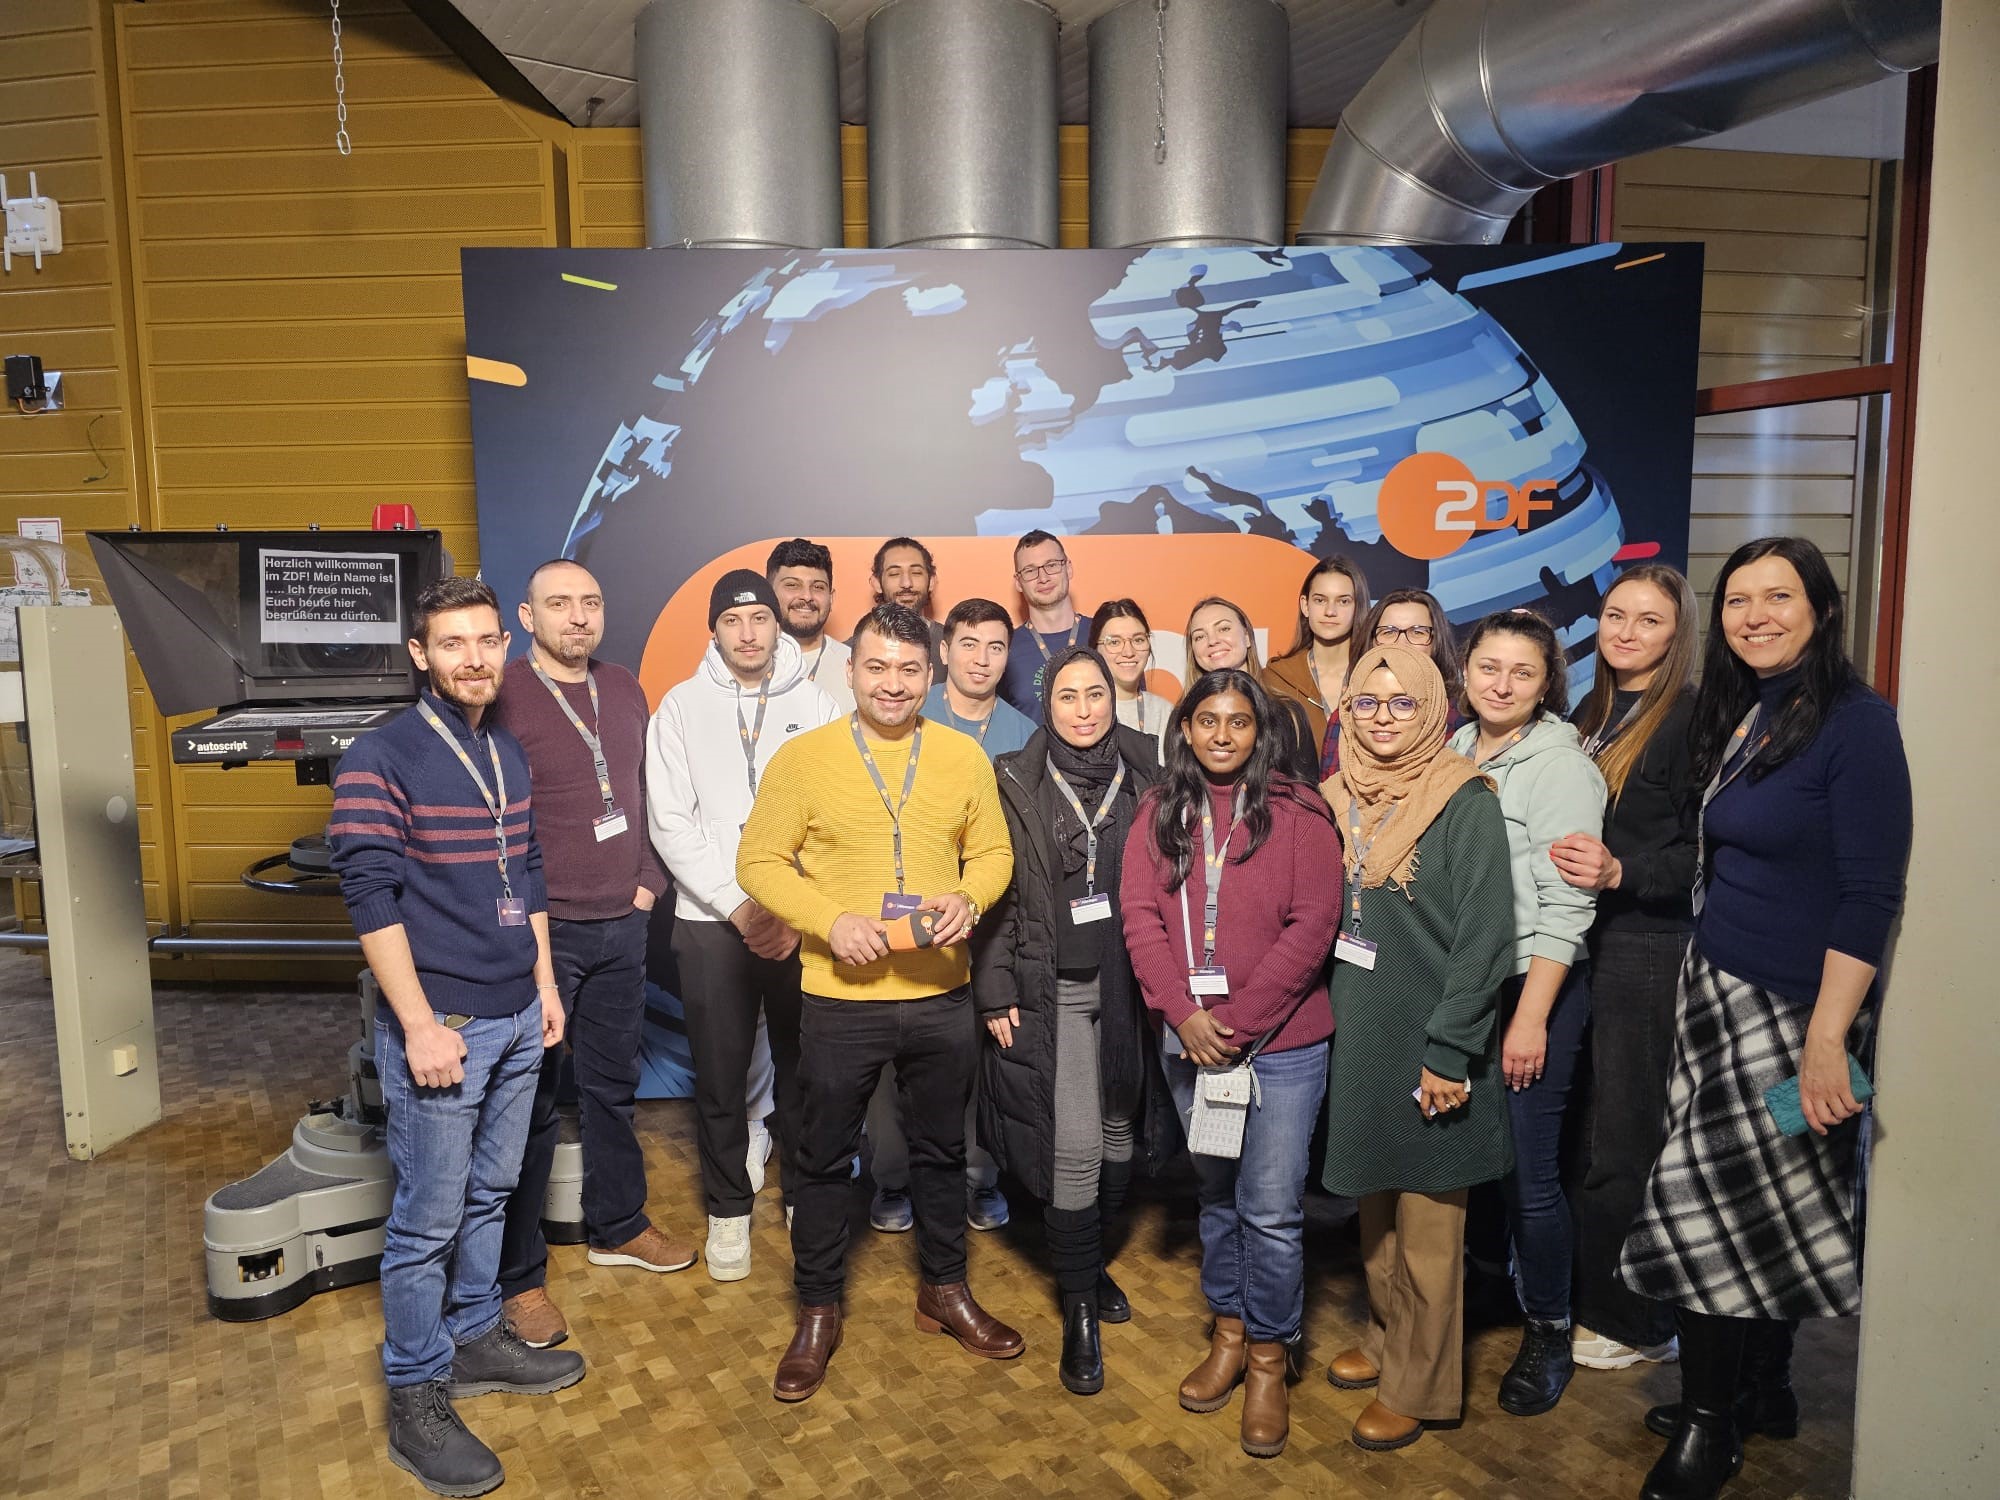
x=722, y=985
x=843, y=1047
x=1632, y=981
x=601, y=971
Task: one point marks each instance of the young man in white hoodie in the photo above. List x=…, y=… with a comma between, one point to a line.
x=709, y=742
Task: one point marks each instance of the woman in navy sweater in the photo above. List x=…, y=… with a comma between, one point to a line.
x=1806, y=832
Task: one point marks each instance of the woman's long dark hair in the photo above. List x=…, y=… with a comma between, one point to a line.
x=1531, y=627
x=1444, y=645
x=1349, y=569
x=1729, y=686
x=1183, y=791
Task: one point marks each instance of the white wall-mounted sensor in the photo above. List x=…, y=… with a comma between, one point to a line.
x=34, y=225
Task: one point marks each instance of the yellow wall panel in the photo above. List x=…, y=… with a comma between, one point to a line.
x=463, y=213
x=304, y=261
x=310, y=126
x=384, y=80
x=335, y=426
x=334, y=300
x=310, y=384
x=321, y=170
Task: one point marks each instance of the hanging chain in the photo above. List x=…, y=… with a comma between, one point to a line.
x=340, y=140
x=1160, y=78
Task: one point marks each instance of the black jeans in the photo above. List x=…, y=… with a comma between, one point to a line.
x=1633, y=977
x=601, y=971
x=843, y=1047
x=722, y=985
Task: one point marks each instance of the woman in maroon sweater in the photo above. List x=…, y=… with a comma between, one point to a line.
x=1230, y=901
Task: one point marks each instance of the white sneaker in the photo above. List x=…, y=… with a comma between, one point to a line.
x=1596, y=1352
x=728, y=1248
x=760, y=1152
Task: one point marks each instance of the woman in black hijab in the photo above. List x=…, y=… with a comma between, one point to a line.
x=1069, y=1091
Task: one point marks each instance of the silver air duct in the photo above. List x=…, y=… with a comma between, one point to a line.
x=739, y=123
x=1486, y=101
x=962, y=124
x=1212, y=77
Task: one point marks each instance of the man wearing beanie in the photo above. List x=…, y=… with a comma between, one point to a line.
x=706, y=752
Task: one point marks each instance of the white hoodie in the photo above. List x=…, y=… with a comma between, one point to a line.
x=697, y=785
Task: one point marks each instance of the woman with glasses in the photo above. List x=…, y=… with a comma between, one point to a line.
x=1414, y=1114
x=1332, y=600
x=1119, y=633
x=1220, y=639
x=1412, y=618
x=1231, y=889
x=1516, y=686
x=1634, y=725
x=1805, y=830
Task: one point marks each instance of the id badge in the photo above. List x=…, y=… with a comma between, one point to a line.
x=1354, y=950
x=610, y=825
x=1213, y=980
x=1090, y=908
x=513, y=910
x=896, y=904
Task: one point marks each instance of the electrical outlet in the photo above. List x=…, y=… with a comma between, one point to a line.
x=34, y=225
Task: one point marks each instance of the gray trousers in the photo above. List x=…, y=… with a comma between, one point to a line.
x=1085, y=1138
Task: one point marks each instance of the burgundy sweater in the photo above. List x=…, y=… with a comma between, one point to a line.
x=1274, y=926
x=588, y=881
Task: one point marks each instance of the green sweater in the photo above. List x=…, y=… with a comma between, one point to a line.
x=1432, y=1000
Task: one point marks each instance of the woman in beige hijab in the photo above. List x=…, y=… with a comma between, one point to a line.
x=1416, y=1114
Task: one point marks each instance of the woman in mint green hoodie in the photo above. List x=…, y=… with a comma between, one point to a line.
x=1516, y=691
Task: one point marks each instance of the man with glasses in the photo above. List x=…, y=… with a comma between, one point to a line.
x=1042, y=573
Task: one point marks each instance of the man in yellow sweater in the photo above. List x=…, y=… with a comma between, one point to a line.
x=868, y=835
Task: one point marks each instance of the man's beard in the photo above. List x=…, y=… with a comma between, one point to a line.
x=483, y=689
x=800, y=632
x=570, y=650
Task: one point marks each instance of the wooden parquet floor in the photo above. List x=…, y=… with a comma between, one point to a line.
x=115, y=1381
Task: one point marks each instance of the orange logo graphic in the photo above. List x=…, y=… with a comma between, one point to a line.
x=1430, y=505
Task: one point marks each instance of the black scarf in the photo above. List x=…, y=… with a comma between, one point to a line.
x=1088, y=769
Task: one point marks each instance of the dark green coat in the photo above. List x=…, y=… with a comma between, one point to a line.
x=1432, y=1000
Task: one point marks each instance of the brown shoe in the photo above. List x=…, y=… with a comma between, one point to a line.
x=649, y=1250
x=1208, y=1384
x=536, y=1321
x=1267, y=1418
x=1351, y=1371
x=1379, y=1429
x=803, y=1369
x=950, y=1309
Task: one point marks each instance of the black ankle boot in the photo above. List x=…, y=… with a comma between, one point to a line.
x=427, y=1438
x=1534, y=1383
x=1702, y=1456
x=1112, y=1304
x=1765, y=1403
x=1082, y=1367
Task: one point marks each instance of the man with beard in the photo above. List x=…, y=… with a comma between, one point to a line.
x=709, y=745
x=905, y=574
x=583, y=725
x=801, y=575
x=881, y=844
x=1042, y=572
x=435, y=847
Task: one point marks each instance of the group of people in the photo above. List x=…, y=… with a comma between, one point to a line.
x=975, y=895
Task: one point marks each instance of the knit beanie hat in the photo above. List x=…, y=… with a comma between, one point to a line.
x=737, y=587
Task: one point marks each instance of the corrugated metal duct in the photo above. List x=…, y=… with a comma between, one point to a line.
x=962, y=124
x=1488, y=100
x=739, y=123
x=1187, y=123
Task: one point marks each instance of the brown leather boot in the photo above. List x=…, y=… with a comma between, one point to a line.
x=1351, y=1370
x=1379, y=1429
x=803, y=1369
x=1209, y=1383
x=950, y=1309
x=1267, y=1419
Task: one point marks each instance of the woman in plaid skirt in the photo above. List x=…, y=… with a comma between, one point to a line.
x=1805, y=834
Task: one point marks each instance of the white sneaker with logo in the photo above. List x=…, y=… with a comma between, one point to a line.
x=760, y=1152
x=1596, y=1352
x=728, y=1248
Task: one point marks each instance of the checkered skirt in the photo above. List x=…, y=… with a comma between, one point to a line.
x=1739, y=1220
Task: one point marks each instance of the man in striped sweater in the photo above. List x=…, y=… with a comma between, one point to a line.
x=434, y=842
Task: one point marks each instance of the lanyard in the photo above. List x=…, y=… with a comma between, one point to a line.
x=499, y=808
x=1326, y=704
x=1611, y=732
x=978, y=732
x=1361, y=851
x=1090, y=823
x=750, y=734
x=1211, y=905
x=590, y=737
x=812, y=673
x=1735, y=761
x=882, y=787
x=1505, y=745
x=1075, y=626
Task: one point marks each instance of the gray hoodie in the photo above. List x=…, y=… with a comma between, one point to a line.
x=1548, y=789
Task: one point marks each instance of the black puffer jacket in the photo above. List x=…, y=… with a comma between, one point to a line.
x=1014, y=964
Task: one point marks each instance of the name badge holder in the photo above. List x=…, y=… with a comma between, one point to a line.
x=509, y=910
x=1223, y=1097
x=1093, y=906
x=1349, y=946
x=898, y=903
x=612, y=822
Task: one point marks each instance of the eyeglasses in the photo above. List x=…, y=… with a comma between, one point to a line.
x=1043, y=570
x=1416, y=635
x=1139, y=642
x=1402, y=706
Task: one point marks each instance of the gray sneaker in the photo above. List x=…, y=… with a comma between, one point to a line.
x=498, y=1361
x=891, y=1212
x=427, y=1439
x=985, y=1208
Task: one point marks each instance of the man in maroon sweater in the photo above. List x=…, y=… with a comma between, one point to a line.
x=583, y=725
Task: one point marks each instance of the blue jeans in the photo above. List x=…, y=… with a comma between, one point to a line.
x=1253, y=1213
x=456, y=1152
x=1537, y=1207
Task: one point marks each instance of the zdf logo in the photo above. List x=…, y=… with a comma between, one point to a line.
x=1430, y=505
